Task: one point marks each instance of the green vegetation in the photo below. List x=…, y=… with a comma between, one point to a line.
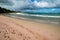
x=3, y=10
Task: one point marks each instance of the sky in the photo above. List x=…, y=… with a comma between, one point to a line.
x=18, y=5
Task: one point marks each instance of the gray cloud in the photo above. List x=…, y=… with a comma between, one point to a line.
x=14, y=4
x=6, y=2
x=18, y=4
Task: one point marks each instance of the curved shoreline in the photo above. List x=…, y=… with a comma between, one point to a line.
x=14, y=29
x=24, y=16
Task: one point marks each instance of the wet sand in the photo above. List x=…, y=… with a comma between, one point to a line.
x=15, y=29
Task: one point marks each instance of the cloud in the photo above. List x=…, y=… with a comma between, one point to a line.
x=18, y=4
x=41, y=4
x=47, y=3
x=5, y=2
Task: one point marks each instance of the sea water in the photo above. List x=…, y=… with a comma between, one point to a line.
x=48, y=15
x=39, y=17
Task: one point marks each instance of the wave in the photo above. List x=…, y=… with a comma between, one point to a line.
x=36, y=15
x=36, y=18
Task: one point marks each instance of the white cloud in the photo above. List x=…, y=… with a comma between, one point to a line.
x=20, y=3
x=44, y=4
x=40, y=4
x=17, y=4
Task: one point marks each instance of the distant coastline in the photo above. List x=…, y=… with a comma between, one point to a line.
x=3, y=10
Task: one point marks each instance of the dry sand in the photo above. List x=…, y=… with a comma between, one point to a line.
x=14, y=29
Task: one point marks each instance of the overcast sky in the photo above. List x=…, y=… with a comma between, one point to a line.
x=18, y=4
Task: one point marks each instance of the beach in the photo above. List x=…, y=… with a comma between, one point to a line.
x=18, y=29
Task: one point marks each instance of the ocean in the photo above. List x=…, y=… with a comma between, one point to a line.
x=53, y=18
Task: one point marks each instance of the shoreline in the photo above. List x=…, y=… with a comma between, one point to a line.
x=37, y=21
x=26, y=28
x=44, y=20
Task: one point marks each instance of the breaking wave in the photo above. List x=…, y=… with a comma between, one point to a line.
x=36, y=15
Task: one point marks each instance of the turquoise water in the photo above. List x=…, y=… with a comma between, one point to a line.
x=51, y=14
x=43, y=10
x=40, y=17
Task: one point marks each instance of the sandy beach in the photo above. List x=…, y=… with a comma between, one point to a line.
x=18, y=29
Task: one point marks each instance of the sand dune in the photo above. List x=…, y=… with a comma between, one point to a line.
x=14, y=29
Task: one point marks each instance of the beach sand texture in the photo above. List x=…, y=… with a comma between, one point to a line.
x=15, y=29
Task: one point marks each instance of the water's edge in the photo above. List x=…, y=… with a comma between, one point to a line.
x=37, y=18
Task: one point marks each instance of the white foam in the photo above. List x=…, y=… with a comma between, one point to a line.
x=36, y=15
x=46, y=16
